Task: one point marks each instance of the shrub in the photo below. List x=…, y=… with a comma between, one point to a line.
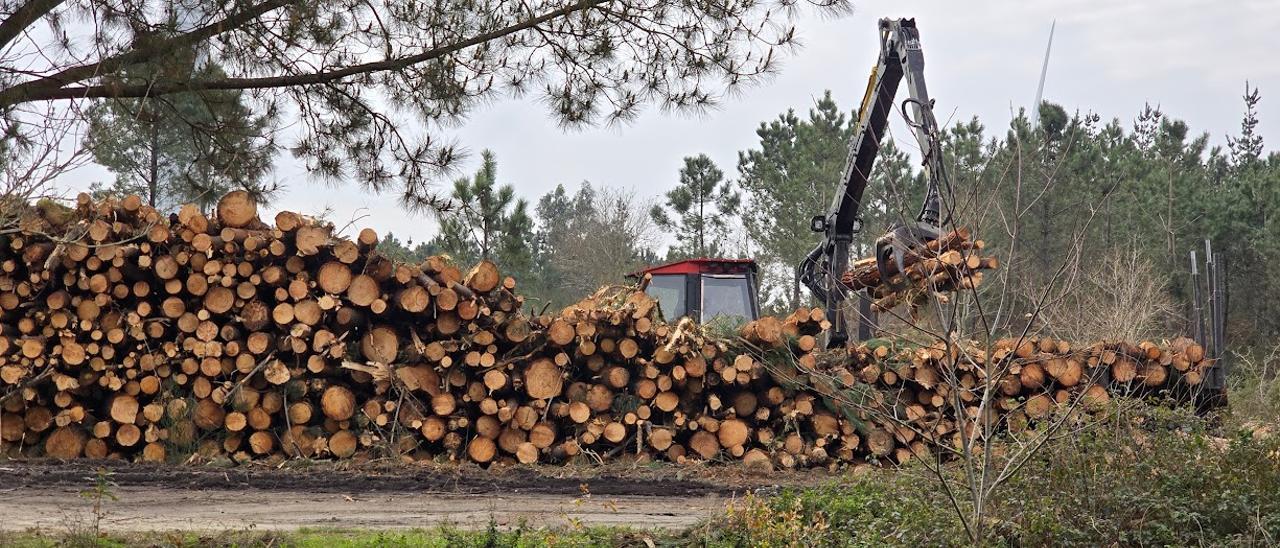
x=872, y=510
x=1149, y=476
x=1158, y=477
x=1253, y=388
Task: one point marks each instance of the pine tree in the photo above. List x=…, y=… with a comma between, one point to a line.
x=698, y=211
x=1147, y=126
x=590, y=238
x=374, y=84
x=189, y=147
x=1247, y=148
x=406, y=251
x=560, y=218
x=786, y=180
x=515, y=245
x=487, y=222
x=560, y=213
x=894, y=194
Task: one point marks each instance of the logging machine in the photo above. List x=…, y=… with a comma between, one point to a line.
x=704, y=288
x=821, y=270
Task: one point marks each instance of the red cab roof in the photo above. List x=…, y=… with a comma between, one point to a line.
x=700, y=266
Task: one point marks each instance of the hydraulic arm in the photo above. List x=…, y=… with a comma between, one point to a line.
x=900, y=59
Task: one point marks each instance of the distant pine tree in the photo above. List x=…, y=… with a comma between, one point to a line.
x=698, y=211
x=188, y=147
x=1247, y=148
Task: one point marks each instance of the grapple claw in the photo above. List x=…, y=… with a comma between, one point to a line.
x=891, y=249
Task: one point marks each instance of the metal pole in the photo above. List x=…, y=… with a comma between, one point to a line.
x=1197, y=303
x=866, y=318
x=1217, y=320
x=1220, y=319
x=1211, y=273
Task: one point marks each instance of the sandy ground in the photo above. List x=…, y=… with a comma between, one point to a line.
x=47, y=495
x=160, y=509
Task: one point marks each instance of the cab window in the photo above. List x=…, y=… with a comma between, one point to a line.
x=669, y=290
x=727, y=298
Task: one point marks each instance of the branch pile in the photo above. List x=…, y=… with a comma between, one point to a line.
x=125, y=334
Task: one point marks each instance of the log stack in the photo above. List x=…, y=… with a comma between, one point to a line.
x=953, y=262
x=129, y=334
x=912, y=400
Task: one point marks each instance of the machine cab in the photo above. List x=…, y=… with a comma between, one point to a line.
x=706, y=290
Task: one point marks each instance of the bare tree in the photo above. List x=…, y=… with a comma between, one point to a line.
x=1118, y=295
x=34, y=159
x=618, y=237
x=969, y=330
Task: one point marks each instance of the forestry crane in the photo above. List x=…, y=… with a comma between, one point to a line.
x=821, y=270
x=705, y=288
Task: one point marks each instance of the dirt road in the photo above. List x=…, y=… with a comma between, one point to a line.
x=48, y=496
x=158, y=509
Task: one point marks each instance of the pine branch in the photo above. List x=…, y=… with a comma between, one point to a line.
x=50, y=88
x=13, y=26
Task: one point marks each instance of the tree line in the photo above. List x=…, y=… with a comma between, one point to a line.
x=1081, y=209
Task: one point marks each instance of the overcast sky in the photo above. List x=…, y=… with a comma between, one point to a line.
x=983, y=58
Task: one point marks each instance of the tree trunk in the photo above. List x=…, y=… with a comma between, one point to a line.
x=153, y=182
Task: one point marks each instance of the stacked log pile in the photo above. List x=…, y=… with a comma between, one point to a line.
x=126, y=334
x=909, y=401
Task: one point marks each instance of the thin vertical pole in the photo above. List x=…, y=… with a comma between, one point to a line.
x=1197, y=303
x=866, y=318
x=1220, y=319
x=1211, y=273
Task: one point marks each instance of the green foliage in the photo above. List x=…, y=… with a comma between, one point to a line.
x=559, y=251
x=375, y=85
x=787, y=179
x=1166, y=481
x=563, y=220
x=182, y=148
x=863, y=511
x=893, y=195
x=1247, y=148
x=1076, y=188
x=1146, y=477
x=407, y=251
x=1253, y=388
x=588, y=239
x=487, y=222
x=99, y=496
x=794, y=175
x=1066, y=192
x=698, y=211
